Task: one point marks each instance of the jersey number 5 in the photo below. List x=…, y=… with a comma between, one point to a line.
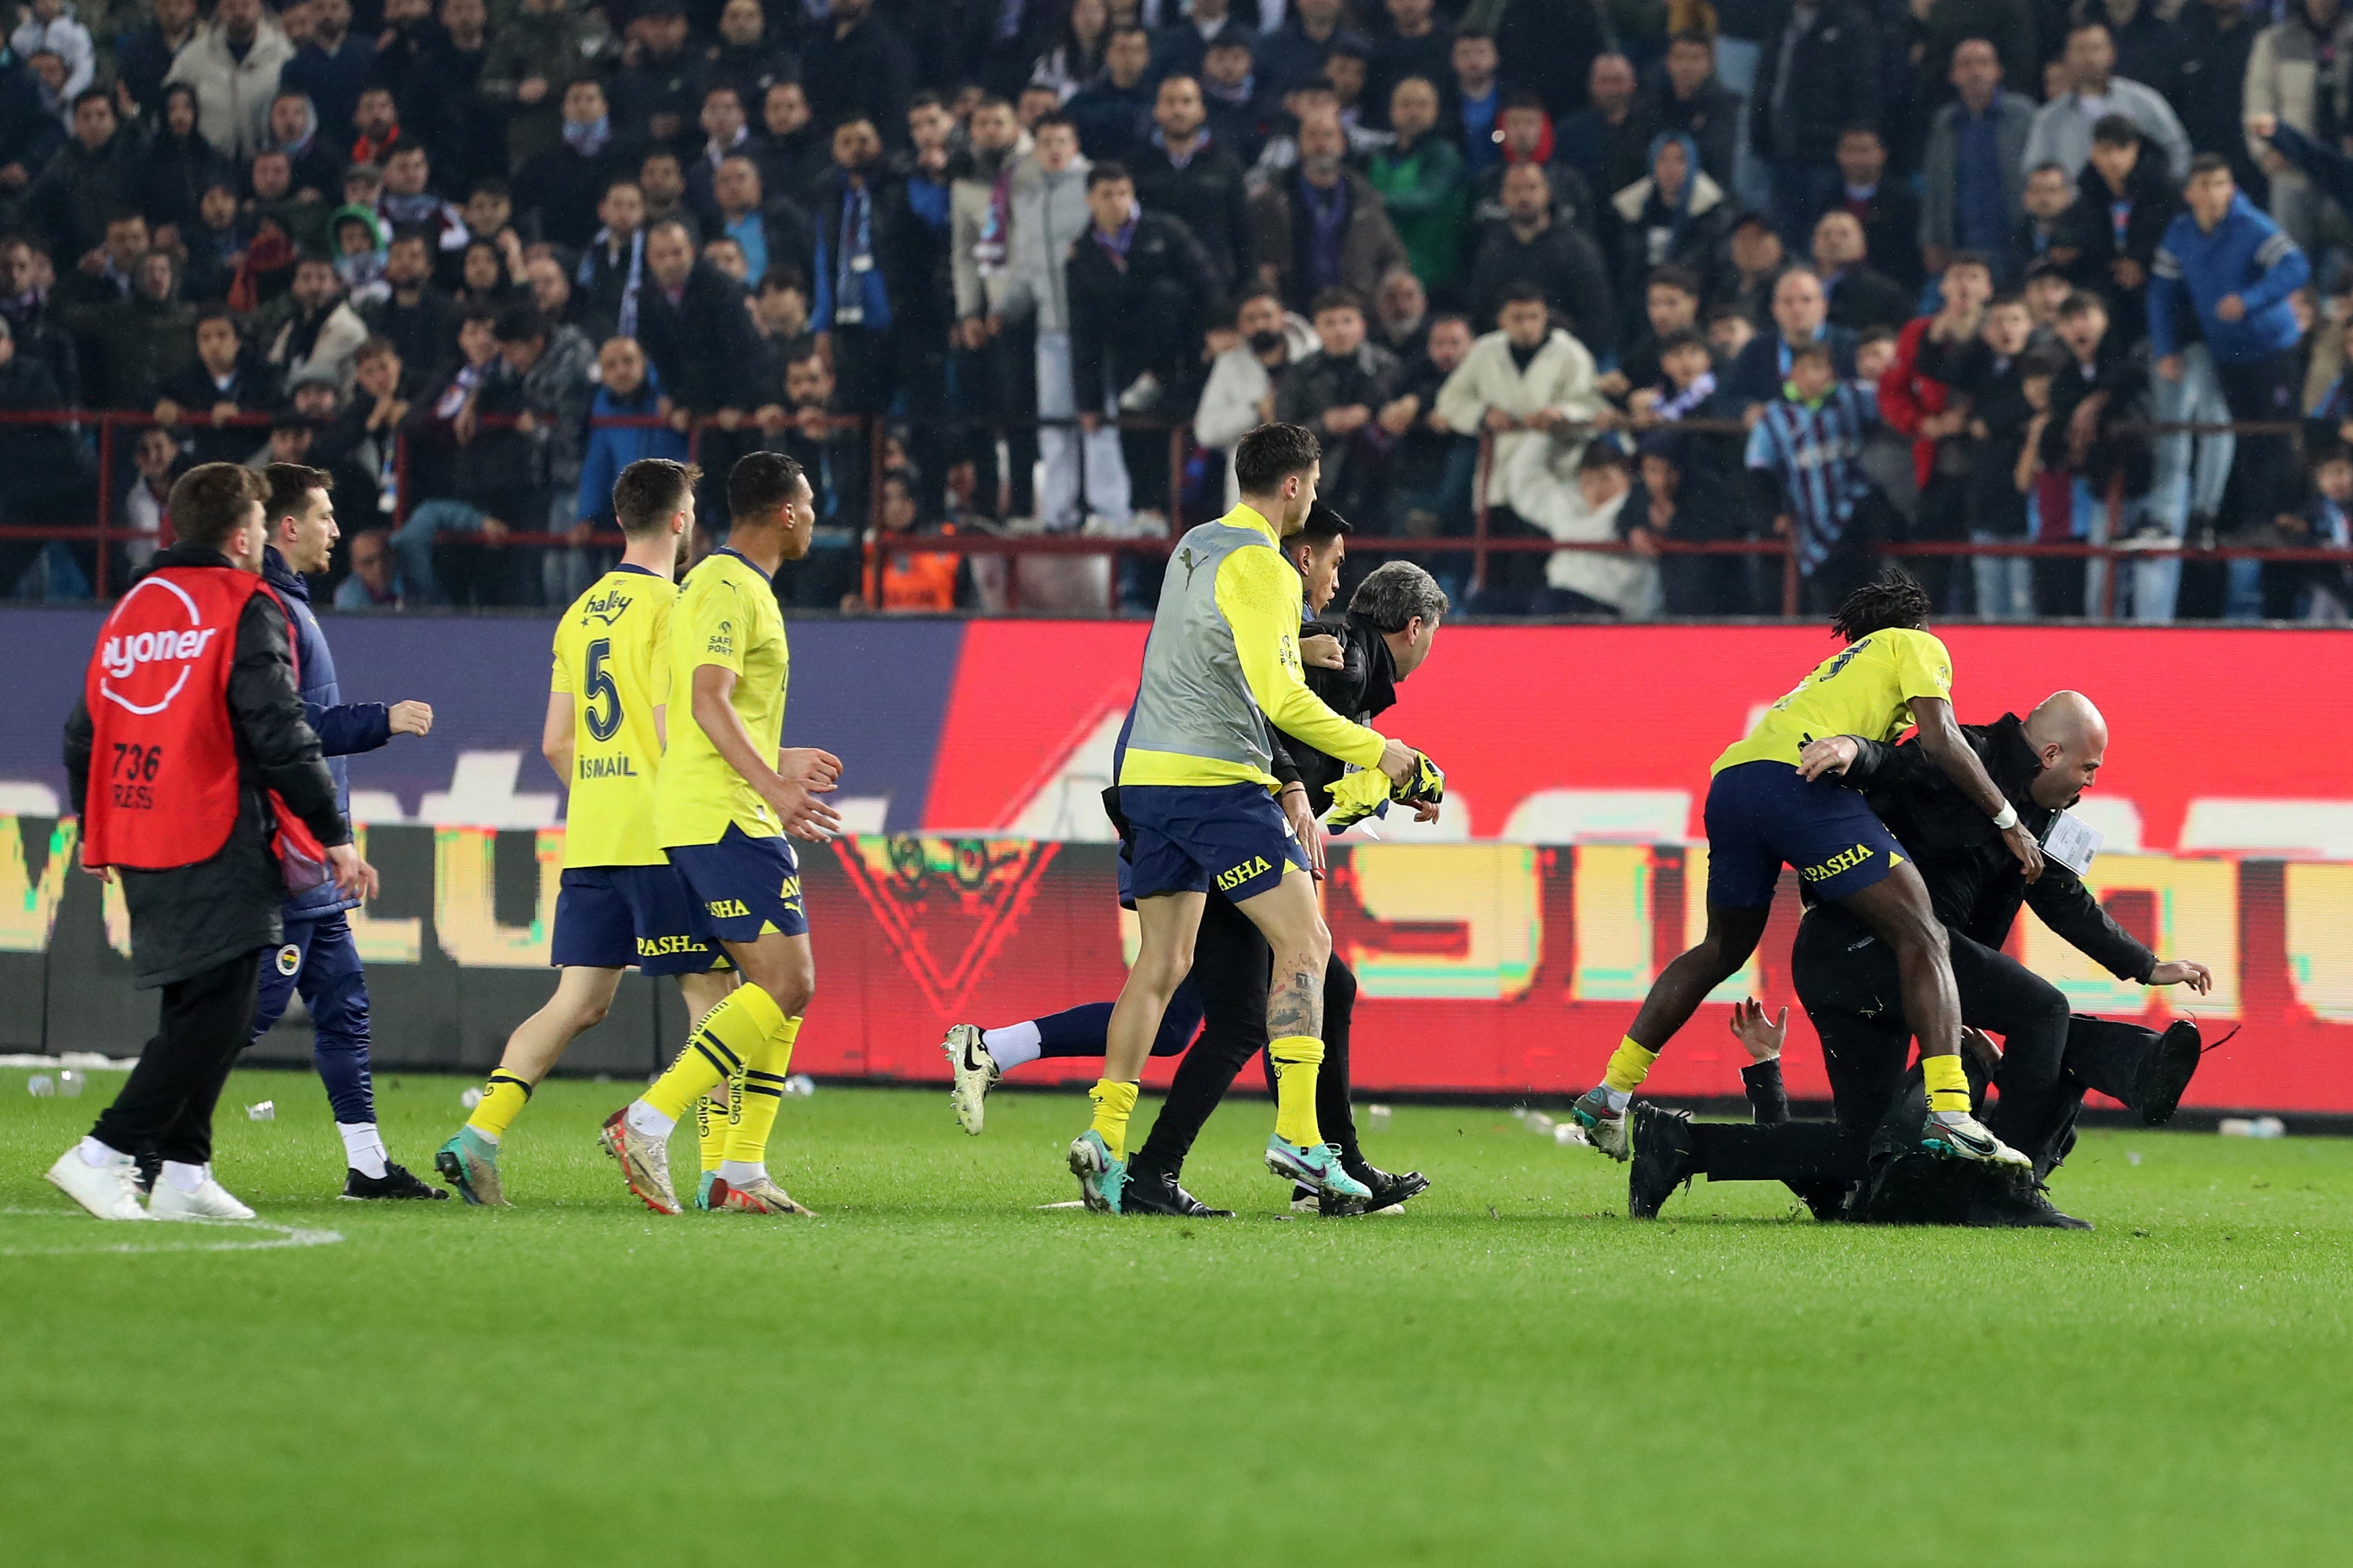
x=599, y=688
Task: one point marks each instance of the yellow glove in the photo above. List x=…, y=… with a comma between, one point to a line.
x=1368, y=793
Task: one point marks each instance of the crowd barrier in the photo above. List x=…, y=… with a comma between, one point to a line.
x=1502, y=953
x=1481, y=544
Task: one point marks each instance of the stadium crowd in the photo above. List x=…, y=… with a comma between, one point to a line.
x=1857, y=274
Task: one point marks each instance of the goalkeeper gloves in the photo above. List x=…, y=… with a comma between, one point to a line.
x=1366, y=793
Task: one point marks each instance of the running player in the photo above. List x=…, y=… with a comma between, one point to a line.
x=1221, y=667
x=620, y=906
x=724, y=801
x=1769, y=803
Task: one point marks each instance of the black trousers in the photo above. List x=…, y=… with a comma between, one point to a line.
x=1233, y=969
x=167, y=1103
x=997, y=380
x=2264, y=472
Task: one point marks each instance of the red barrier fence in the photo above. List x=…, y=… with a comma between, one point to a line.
x=1481, y=544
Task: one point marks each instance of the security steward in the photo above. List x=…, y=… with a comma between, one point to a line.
x=211, y=800
x=1846, y=979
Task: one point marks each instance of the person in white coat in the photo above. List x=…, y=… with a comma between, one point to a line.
x=1239, y=396
x=1530, y=386
x=1593, y=581
x=233, y=63
x=1050, y=215
x=51, y=27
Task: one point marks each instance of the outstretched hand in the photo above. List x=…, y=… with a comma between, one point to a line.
x=1758, y=1036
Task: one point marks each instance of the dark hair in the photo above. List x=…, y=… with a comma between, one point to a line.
x=1463, y=33
x=2042, y=362
x=728, y=88
x=1728, y=311
x=1895, y=602
x=649, y=492
x=289, y=483
x=2115, y=131
x=617, y=182
x=761, y=483
x=1524, y=291
x=2330, y=452
x=2008, y=297
x=1699, y=36
x=1336, y=299
x=2083, y=302
x=925, y=99
x=1394, y=593
x=1682, y=280
x=780, y=277
x=1322, y=526
x=1119, y=29
x=208, y=503
x=1863, y=130
x=520, y=324
x=1603, y=455
x=1105, y=172
x=1058, y=117
x=1883, y=334
x=1521, y=100
x=1683, y=338
x=218, y=313
x=488, y=184
x=1271, y=454
x=2208, y=164
x=1803, y=351
x=86, y=94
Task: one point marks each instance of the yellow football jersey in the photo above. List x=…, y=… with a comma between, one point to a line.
x=727, y=615
x=1864, y=690
x=612, y=654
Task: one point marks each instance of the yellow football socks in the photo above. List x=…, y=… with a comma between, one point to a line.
x=1114, y=1103
x=730, y=1035
x=502, y=1102
x=1628, y=1065
x=1949, y=1084
x=758, y=1093
x=1297, y=1060
x=713, y=1112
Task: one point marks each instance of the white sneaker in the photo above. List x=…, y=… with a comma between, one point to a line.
x=976, y=1073
x=110, y=1191
x=210, y=1201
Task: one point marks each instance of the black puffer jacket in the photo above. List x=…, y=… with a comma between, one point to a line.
x=1973, y=880
x=194, y=917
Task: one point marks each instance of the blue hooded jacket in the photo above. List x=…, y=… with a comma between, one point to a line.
x=2247, y=255
x=344, y=728
x=610, y=450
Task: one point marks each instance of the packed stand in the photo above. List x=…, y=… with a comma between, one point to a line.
x=1825, y=281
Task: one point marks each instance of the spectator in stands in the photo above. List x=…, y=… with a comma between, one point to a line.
x=773, y=232
x=1986, y=376
x=654, y=96
x=104, y=275
x=2108, y=240
x=1671, y=302
x=409, y=201
x=1757, y=261
x=1861, y=296
x=468, y=132
x=155, y=463
x=1730, y=331
x=2218, y=39
x=1182, y=169
x=695, y=329
x=1416, y=43
x=1433, y=464
x=370, y=584
x=1400, y=321
x=1887, y=209
x=859, y=248
x=1687, y=97
x=795, y=153
x=1919, y=405
x=1243, y=112
x=97, y=176
x=1805, y=447
x=535, y=56
x=1707, y=503
x=48, y=480
x=1607, y=142
x=901, y=580
x=179, y=164
x=1478, y=98
x=226, y=380
x=1525, y=136
x=49, y=27
x=140, y=342
x=1182, y=46
x=1532, y=248
x=996, y=367
x=1592, y=509
x=1974, y=172
x=25, y=304
x=1245, y=379
x=744, y=58
x=1321, y=226
x=330, y=67
x=567, y=182
x=1294, y=52
x=1819, y=74
x=1675, y=216
x=610, y=282
x=1049, y=212
x=835, y=458
x=2235, y=269
x=360, y=440
x=233, y=62
x=1076, y=58
x=2096, y=402
x=1342, y=392
x=417, y=317
x=1420, y=179
x=1529, y=384
x=625, y=390
x=727, y=133
x=144, y=54
x=1113, y=111
x=1549, y=50
x=1800, y=316
x=557, y=370
x=2062, y=127
x=2296, y=76
x=1140, y=291
x=466, y=445
x=2318, y=590
x=853, y=63
x=313, y=326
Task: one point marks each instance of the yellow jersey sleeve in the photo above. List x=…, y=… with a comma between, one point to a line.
x=559, y=676
x=716, y=626
x=1257, y=594
x=658, y=672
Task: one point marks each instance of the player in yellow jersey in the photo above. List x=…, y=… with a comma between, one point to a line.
x=725, y=800
x=620, y=906
x=1770, y=802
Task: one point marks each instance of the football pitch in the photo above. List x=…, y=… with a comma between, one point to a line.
x=938, y=1372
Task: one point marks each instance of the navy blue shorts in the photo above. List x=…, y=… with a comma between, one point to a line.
x=742, y=888
x=1761, y=816
x=630, y=917
x=1191, y=838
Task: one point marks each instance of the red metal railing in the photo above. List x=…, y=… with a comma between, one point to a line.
x=1481, y=544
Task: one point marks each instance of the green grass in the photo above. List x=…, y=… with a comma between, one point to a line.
x=935, y=1372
